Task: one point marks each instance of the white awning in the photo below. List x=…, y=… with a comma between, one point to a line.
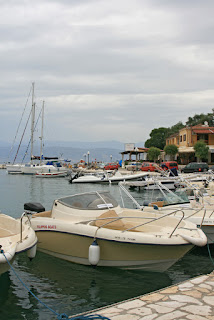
x=191, y=149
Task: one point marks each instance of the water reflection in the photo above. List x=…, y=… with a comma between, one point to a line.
x=70, y=288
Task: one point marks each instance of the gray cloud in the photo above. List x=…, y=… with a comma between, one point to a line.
x=106, y=69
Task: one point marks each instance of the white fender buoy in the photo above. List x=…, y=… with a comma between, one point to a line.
x=31, y=253
x=94, y=253
x=7, y=256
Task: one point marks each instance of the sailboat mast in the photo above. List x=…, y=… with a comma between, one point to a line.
x=41, y=145
x=32, y=122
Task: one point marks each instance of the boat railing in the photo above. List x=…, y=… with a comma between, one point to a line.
x=24, y=214
x=211, y=214
x=112, y=219
x=159, y=218
x=203, y=218
x=195, y=211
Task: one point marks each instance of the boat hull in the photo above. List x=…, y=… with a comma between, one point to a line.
x=111, y=179
x=14, y=168
x=50, y=174
x=74, y=248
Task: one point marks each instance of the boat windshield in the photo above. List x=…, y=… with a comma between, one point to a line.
x=178, y=197
x=90, y=201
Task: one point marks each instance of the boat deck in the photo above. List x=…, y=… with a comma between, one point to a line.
x=189, y=300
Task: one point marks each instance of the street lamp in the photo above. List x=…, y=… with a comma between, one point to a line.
x=84, y=157
x=88, y=157
x=111, y=157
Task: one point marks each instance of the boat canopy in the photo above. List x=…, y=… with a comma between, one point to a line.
x=90, y=201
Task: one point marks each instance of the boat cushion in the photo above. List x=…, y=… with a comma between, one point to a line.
x=46, y=214
x=104, y=218
x=115, y=224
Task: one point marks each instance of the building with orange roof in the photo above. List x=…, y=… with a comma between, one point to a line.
x=187, y=137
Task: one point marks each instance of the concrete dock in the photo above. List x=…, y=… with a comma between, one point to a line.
x=189, y=300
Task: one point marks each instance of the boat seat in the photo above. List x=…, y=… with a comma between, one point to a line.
x=94, y=204
x=77, y=204
x=104, y=218
x=160, y=204
x=46, y=214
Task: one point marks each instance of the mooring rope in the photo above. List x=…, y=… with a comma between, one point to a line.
x=61, y=316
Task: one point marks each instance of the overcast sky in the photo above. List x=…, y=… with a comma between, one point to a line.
x=107, y=69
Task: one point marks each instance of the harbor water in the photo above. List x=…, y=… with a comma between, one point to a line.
x=70, y=288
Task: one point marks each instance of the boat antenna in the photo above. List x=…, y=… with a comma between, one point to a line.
x=32, y=123
x=41, y=138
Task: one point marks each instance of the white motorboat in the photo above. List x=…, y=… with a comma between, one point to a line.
x=92, y=229
x=56, y=174
x=16, y=236
x=106, y=177
x=198, y=209
x=152, y=183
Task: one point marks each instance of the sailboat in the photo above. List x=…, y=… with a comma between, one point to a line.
x=32, y=167
x=17, y=168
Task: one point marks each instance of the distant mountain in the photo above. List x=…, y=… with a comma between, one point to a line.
x=91, y=145
x=74, y=150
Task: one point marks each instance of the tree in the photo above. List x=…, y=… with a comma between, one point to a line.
x=153, y=153
x=171, y=149
x=174, y=129
x=201, y=150
x=157, y=138
x=200, y=119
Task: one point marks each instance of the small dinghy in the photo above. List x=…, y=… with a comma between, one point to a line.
x=56, y=174
x=16, y=236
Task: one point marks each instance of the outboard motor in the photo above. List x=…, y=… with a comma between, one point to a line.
x=34, y=207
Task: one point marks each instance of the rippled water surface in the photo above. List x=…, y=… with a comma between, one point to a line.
x=66, y=287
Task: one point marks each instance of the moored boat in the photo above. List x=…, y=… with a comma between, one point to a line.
x=197, y=208
x=91, y=228
x=56, y=174
x=16, y=236
x=105, y=177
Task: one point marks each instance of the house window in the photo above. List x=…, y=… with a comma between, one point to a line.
x=180, y=138
x=203, y=137
x=185, y=137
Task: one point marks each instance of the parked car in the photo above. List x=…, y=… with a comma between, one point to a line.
x=111, y=166
x=169, y=165
x=195, y=167
x=149, y=166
